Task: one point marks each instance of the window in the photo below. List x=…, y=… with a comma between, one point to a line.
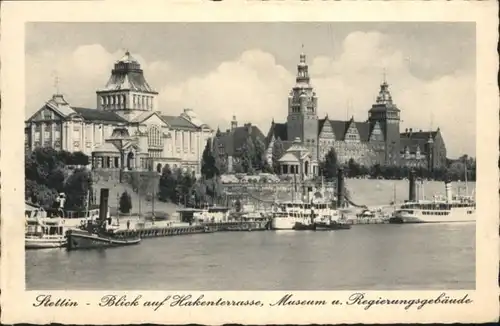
x=47, y=115
x=37, y=127
x=155, y=138
x=76, y=132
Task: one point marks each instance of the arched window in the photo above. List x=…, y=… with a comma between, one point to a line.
x=155, y=137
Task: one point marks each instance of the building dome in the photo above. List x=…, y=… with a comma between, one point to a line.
x=128, y=58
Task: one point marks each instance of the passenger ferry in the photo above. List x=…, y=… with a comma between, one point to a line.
x=42, y=232
x=286, y=215
x=438, y=210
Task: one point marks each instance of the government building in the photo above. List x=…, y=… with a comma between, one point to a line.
x=307, y=139
x=126, y=126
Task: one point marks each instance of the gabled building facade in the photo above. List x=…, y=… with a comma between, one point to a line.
x=377, y=140
x=125, y=125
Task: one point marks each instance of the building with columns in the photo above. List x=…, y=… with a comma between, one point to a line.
x=377, y=140
x=126, y=125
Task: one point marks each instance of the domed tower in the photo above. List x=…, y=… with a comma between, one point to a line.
x=387, y=114
x=234, y=123
x=302, y=120
x=127, y=92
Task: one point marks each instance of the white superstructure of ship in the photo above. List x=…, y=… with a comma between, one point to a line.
x=459, y=208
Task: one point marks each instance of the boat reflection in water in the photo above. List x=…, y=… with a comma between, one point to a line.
x=98, y=233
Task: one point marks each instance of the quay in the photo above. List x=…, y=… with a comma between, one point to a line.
x=155, y=231
x=167, y=228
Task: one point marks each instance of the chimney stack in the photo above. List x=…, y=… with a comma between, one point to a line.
x=340, y=188
x=447, y=187
x=412, y=196
x=103, y=205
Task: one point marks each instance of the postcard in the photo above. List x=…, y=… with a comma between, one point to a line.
x=249, y=162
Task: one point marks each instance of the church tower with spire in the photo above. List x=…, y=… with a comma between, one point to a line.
x=387, y=114
x=302, y=120
x=127, y=93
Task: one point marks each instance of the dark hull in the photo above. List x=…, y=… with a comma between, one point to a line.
x=332, y=226
x=304, y=227
x=84, y=240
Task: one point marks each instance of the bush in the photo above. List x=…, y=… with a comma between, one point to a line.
x=125, y=203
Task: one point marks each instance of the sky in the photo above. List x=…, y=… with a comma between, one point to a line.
x=248, y=69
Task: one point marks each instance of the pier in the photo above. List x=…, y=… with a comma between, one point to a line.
x=156, y=231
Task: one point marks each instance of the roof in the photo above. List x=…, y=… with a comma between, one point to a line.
x=419, y=139
x=233, y=140
x=98, y=115
x=192, y=117
x=419, y=134
x=289, y=157
x=278, y=130
x=106, y=148
x=178, y=122
x=340, y=127
x=128, y=75
x=297, y=146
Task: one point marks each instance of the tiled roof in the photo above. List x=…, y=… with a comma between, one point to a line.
x=289, y=157
x=278, y=130
x=234, y=139
x=412, y=145
x=419, y=134
x=339, y=128
x=412, y=139
x=132, y=80
x=178, y=122
x=364, y=130
x=98, y=115
x=106, y=148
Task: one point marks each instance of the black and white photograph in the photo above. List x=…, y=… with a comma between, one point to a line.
x=306, y=155
x=250, y=156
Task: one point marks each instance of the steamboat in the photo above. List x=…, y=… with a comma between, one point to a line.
x=437, y=210
x=98, y=233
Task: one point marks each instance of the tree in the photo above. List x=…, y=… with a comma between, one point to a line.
x=277, y=153
x=167, y=185
x=329, y=166
x=125, y=203
x=79, y=158
x=259, y=154
x=354, y=168
x=77, y=189
x=208, y=164
x=246, y=154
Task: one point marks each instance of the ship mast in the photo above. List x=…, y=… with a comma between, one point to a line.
x=466, y=186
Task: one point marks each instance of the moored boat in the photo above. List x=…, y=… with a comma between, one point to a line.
x=437, y=210
x=97, y=233
x=334, y=225
x=42, y=232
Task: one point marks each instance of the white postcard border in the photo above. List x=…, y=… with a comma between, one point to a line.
x=17, y=304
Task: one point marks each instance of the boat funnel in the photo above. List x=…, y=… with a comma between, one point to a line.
x=340, y=188
x=103, y=204
x=447, y=188
x=412, y=195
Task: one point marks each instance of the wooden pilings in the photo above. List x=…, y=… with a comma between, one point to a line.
x=155, y=232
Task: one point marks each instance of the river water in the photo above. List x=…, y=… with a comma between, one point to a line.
x=368, y=257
